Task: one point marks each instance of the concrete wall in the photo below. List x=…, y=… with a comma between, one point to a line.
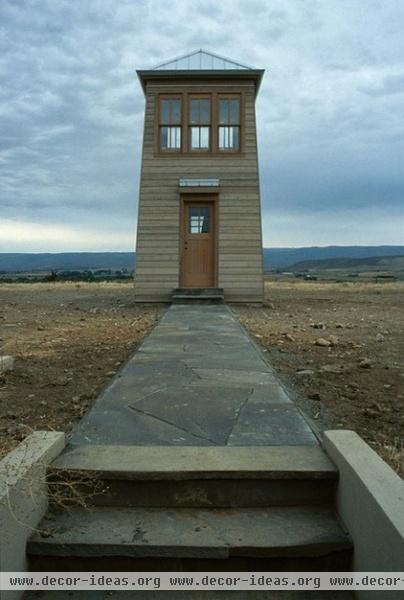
x=23, y=497
x=158, y=252
x=370, y=501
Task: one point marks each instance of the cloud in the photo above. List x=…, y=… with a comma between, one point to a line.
x=390, y=84
x=329, y=111
x=22, y=236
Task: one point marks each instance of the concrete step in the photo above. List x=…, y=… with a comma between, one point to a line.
x=199, y=291
x=198, y=296
x=175, y=476
x=156, y=538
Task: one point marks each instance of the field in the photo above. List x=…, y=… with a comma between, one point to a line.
x=339, y=349
x=70, y=339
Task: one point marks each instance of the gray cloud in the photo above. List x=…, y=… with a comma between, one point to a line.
x=331, y=136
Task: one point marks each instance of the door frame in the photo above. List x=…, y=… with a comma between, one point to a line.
x=204, y=198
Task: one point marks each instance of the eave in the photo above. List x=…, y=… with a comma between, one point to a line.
x=243, y=74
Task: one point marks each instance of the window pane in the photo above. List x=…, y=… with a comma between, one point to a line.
x=175, y=137
x=164, y=112
x=236, y=138
x=194, y=137
x=170, y=138
x=175, y=111
x=170, y=111
x=229, y=138
x=204, y=137
x=204, y=106
x=223, y=111
x=194, y=112
x=200, y=138
x=222, y=137
x=199, y=111
x=164, y=137
x=229, y=111
x=234, y=106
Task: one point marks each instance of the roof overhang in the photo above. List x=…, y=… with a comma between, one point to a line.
x=157, y=74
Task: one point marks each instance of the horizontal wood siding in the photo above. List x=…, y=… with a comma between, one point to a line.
x=240, y=270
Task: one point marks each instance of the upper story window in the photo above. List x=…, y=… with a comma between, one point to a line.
x=170, y=123
x=199, y=123
x=229, y=124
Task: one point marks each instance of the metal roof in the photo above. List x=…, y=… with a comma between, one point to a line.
x=202, y=65
x=200, y=60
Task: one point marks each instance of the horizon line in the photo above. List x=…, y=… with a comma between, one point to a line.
x=264, y=248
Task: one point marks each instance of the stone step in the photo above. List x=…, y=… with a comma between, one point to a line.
x=286, y=538
x=198, y=296
x=183, y=299
x=199, y=291
x=176, y=476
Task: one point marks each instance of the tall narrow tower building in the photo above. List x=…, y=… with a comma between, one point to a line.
x=199, y=219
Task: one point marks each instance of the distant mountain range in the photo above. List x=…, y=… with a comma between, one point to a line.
x=390, y=263
x=66, y=261
x=274, y=258
x=281, y=258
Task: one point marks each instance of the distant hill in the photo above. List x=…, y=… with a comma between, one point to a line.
x=274, y=258
x=67, y=261
x=390, y=263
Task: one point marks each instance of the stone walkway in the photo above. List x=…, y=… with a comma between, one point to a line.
x=197, y=380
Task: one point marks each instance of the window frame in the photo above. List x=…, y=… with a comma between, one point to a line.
x=160, y=125
x=185, y=147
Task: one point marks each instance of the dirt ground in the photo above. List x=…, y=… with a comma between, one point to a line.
x=68, y=340
x=339, y=349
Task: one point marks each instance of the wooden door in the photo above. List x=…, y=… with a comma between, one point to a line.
x=198, y=244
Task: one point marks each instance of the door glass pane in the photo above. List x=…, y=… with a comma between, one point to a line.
x=194, y=225
x=198, y=219
x=204, y=220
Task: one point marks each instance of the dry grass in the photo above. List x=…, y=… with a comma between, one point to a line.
x=68, y=339
x=365, y=321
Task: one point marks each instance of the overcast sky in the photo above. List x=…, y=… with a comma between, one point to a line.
x=330, y=114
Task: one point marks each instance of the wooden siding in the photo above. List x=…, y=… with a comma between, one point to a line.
x=240, y=267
